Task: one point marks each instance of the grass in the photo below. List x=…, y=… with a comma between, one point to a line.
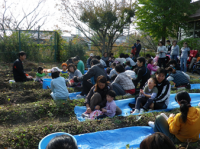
x=27, y=114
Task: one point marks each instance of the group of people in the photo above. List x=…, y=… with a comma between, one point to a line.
x=100, y=87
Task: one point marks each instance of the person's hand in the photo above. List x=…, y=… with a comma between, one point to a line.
x=141, y=91
x=75, y=79
x=172, y=115
x=104, y=110
x=30, y=77
x=97, y=107
x=89, y=110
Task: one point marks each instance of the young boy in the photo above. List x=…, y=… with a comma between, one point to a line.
x=64, y=73
x=146, y=96
x=110, y=109
x=40, y=75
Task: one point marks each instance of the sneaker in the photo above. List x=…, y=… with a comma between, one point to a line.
x=80, y=96
x=85, y=115
x=151, y=124
x=165, y=116
x=141, y=111
x=136, y=111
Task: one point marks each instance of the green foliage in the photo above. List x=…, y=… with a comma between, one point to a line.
x=161, y=18
x=107, y=22
x=193, y=43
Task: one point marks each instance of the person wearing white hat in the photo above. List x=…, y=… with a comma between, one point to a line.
x=89, y=60
x=58, y=85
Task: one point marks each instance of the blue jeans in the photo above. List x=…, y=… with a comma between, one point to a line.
x=174, y=57
x=184, y=62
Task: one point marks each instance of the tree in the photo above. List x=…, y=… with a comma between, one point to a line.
x=102, y=22
x=161, y=18
x=25, y=19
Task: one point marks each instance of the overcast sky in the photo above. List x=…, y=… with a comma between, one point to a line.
x=47, y=7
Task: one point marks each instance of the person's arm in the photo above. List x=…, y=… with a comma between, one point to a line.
x=139, y=47
x=79, y=74
x=174, y=124
x=139, y=77
x=117, y=79
x=152, y=96
x=88, y=75
x=164, y=94
x=170, y=78
x=188, y=77
x=19, y=69
x=88, y=97
x=112, y=109
x=151, y=67
x=52, y=87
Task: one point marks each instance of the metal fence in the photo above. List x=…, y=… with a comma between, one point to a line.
x=40, y=46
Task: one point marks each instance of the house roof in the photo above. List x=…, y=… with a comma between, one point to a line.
x=197, y=14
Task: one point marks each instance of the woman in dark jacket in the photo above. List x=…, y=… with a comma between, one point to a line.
x=96, y=98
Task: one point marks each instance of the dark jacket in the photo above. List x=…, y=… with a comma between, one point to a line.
x=88, y=62
x=102, y=92
x=18, y=71
x=138, y=48
x=94, y=71
x=143, y=75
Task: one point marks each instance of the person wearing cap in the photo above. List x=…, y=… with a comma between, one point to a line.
x=79, y=63
x=64, y=73
x=138, y=47
x=58, y=85
x=89, y=60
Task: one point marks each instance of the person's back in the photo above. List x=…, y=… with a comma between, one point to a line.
x=58, y=87
x=131, y=61
x=188, y=131
x=80, y=66
x=179, y=78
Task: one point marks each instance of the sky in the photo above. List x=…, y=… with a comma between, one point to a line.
x=48, y=6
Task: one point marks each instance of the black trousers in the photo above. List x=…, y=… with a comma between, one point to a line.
x=101, y=116
x=86, y=87
x=161, y=61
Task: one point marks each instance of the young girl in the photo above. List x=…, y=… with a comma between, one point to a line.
x=40, y=75
x=182, y=127
x=64, y=73
x=113, y=71
x=146, y=96
x=174, y=50
x=73, y=72
x=58, y=85
x=152, y=68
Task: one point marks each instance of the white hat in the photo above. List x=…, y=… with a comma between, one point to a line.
x=55, y=69
x=91, y=54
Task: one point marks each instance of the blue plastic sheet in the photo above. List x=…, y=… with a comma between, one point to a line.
x=73, y=95
x=195, y=86
x=123, y=105
x=114, y=139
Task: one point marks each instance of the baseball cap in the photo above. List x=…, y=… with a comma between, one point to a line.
x=91, y=54
x=55, y=69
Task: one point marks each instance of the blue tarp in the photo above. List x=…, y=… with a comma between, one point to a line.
x=73, y=95
x=195, y=86
x=114, y=139
x=123, y=105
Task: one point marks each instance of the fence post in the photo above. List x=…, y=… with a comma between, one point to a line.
x=19, y=41
x=55, y=44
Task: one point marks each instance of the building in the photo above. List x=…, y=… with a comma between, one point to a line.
x=193, y=26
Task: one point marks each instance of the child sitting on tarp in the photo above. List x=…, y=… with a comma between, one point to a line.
x=58, y=85
x=146, y=96
x=180, y=78
x=40, y=75
x=73, y=72
x=64, y=73
x=128, y=65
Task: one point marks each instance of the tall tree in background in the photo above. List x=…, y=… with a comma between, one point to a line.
x=102, y=22
x=162, y=18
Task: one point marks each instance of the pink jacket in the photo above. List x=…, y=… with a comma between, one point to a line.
x=151, y=68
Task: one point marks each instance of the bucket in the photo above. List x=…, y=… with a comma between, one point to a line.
x=46, y=82
x=44, y=142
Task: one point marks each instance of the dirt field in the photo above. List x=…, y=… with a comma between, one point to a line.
x=27, y=113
